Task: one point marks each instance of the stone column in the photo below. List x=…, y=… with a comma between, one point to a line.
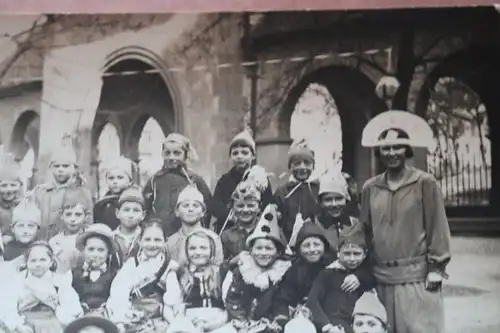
x=70, y=98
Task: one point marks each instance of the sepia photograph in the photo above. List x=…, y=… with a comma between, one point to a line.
x=322, y=171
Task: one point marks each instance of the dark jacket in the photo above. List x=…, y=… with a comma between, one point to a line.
x=234, y=241
x=297, y=282
x=303, y=200
x=105, y=210
x=246, y=298
x=328, y=303
x=93, y=295
x=161, y=192
x=222, y=196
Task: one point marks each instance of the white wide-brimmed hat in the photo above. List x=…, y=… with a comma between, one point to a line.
x=419, y=132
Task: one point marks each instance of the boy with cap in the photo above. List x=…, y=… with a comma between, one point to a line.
x=66, y=183
x=330, y=303
x=10, y=193
x=162, y=190
x=118, y=174
x=333, y=218
x=297, y=198
x=242, y=154
x=190, y=210
x=130, y=212
x=246, y=205
x=24, y=228
x=369, y=315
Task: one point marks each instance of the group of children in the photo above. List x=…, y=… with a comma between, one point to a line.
x=150, y=260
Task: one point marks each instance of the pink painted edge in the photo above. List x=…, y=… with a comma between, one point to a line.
x=150, y=6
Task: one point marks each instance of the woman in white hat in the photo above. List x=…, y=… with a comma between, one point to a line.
x=93, y=277
x=404, y=216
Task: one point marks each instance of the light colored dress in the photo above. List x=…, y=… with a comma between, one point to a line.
x=140, y=290
x=45, y=303
x=410, y=237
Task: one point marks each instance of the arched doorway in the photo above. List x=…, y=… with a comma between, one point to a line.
x=133, y=91
x=316, y=119
x=149, y=150
x=24, y=145
x=459, y=100
x=108, y=148
x=343, y=98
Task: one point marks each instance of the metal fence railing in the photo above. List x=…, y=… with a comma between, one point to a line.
x=463, y=182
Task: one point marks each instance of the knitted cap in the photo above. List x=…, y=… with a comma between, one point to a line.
x=132, y=194
x=300, y=150
x=310, y=229
x=244, y=138
x=334, y=183
x=95, y=229
x=190, y=193
x=10, y=170
x=184, y=142
x=268, y=228
x=26, y=211
x=119, y=163
x=353, y=236
x=64, y=154
x=246, y=190
x=369, y=304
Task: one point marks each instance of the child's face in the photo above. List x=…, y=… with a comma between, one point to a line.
x=95, y=252
x=39, y=261
x=367, y=324
x=9, y=190
x=25, y=231
x=333, y=204
x=130, y=214
x=62, y=171
x=73, y=218
x=241, y=157
x=198, y=250
x=117, y=180
x=173, y=155
x=264, y=252
x=246, y=211
x=301, y=169
x=312, y=249
x=351, y=255
x=152, y=241
x=190, y=211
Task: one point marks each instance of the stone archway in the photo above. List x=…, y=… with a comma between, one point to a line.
x=25, y=143
x=134, y=90
x=356, y=101
x=476, y=67
x=145, y=141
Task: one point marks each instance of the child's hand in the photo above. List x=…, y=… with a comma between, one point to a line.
x=332, y=329
x=6, y=239
x=351, y=283
x=433, y=281
x=121, y=327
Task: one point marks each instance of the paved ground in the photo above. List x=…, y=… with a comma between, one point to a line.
x=472, y=294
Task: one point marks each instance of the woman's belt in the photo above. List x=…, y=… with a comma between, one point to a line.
x=400, y=271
